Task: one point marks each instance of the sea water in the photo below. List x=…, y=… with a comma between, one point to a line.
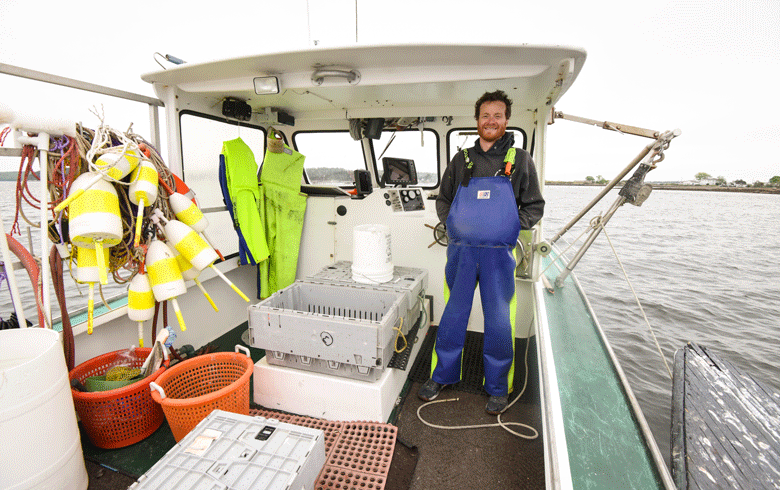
x=703, y=264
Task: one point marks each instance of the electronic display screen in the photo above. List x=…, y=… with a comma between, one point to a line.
x=399, y=171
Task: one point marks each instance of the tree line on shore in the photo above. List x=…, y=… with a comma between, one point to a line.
x=703, y=178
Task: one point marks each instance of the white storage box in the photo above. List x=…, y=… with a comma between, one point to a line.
x=228, y=451
x=340, y=330
x=410, y=281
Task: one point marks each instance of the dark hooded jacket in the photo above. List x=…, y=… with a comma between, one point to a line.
x=525, y=182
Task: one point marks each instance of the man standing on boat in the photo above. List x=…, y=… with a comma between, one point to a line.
x=488, y=194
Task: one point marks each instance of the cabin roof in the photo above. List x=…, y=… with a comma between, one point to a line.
x=394, y=80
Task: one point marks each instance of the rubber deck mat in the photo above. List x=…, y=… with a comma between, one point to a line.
x=358, y=454
x=473, y=368
x=401, y=359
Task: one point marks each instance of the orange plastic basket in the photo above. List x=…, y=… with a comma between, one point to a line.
x=120, y=417
x=191, y=390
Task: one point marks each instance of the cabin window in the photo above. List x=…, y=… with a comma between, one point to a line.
x=413, y=144
x=331, y=156
x=201, y=144
x=459, y=139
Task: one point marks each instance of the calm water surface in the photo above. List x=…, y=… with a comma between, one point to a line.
x=705, y=268
x=704, y=265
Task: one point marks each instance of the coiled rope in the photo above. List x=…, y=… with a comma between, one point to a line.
x=500, y=423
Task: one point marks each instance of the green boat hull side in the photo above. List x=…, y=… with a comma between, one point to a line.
x=605, y=444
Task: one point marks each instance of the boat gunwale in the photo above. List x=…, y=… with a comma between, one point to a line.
x=636, y=411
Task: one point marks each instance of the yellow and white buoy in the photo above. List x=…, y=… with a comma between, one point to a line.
x=87, y=272
x=94, y=219
x=140, y=303
x=165, y=276
x=112, y=165
x=142, y=192
x=193, y=247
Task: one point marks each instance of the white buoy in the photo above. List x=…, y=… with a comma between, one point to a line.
x=88, y=272
x=142, y=192
x=94, y=219
x=165, y=276
x=193, y=247
x=140, y=303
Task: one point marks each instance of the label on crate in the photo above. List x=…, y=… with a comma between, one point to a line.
x=201, y=443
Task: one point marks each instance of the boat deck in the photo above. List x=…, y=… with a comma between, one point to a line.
x=423, y=457
x=725, y=425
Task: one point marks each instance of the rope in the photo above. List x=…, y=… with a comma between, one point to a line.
x=625, y=274
x=421, y=302
x=500, y=423
x=400, y=334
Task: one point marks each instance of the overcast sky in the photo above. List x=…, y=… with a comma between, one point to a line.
x=708, y=67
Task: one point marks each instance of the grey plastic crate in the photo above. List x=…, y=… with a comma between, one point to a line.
x=341, y=330
x=410, y=281
x=228, y=451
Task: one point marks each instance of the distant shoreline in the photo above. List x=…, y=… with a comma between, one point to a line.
x=680, y=187
x=12, y=177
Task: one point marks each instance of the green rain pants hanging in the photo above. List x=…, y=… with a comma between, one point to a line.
x=282, y=207
x=241, y=176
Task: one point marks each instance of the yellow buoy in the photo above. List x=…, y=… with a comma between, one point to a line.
x=94, y=219
x=165, y=276
x=142, y=192
x=140, y=303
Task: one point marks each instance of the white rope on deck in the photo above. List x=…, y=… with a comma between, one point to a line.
x=504, y=425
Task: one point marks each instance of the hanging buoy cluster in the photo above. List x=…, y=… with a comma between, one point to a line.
x=124, y=214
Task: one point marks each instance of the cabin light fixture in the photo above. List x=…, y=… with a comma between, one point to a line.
x=266, y=85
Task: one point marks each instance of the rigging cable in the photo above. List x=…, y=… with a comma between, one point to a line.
x=598, y=222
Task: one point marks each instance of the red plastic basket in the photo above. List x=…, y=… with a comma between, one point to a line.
x=120, y=417
x=191, y=390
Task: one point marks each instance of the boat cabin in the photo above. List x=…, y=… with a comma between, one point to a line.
x=377, y=126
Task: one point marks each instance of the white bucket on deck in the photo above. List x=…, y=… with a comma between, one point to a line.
x=39, y=436
x=372, y=258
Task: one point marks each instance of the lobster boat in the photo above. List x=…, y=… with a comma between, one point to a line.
x=323, y=258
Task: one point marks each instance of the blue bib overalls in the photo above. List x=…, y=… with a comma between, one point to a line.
x=482, y=227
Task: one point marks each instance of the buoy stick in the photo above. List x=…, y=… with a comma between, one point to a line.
x=91, y=309
x=101, y=261
x=206, y=294
x=139, y=218
x=141, y=334
x=75, y=195
x=229, y=283
x=178, y=314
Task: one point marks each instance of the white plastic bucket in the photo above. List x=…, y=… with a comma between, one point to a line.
x=372, y=258
x=39, y=436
